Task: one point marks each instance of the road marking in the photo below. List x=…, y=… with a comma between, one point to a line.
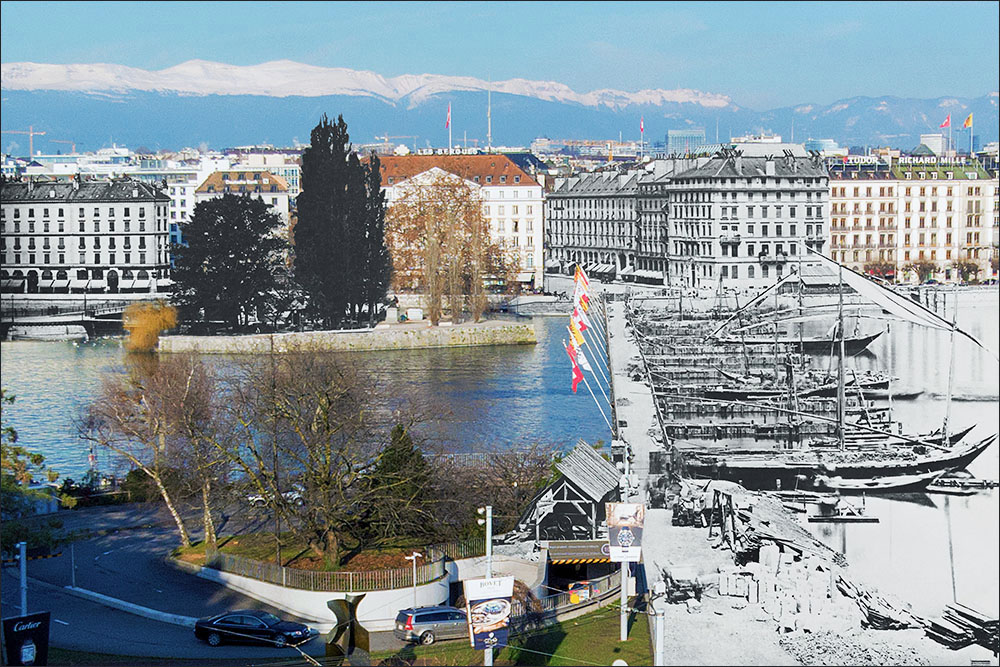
x=58, y=621
x=157, y=590
x=107, y=552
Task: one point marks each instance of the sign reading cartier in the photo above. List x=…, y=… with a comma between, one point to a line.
x=487, y=604
x=625, y=531
x=26, y=639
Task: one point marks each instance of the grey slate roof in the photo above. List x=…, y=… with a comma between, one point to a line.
x=589, y=471
x=752, y=167
x=88, y=191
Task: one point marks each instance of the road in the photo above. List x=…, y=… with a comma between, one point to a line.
x=125, y=560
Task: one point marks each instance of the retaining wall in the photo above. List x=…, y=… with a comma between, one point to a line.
x=377, y=610
x=391, y=337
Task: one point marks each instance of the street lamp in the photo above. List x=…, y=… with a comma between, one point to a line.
x=488, y=522
x=413, y=557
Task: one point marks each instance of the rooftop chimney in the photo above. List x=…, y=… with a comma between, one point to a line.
x=769, y=165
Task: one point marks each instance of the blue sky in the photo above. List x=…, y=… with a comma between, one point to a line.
x=761, y=54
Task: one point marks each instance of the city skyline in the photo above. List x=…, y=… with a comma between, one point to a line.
x=689, y=45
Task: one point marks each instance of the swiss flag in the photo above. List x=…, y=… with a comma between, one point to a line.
x=641, y=127
x=947, y=122
x=447, y=122
x=577, y=373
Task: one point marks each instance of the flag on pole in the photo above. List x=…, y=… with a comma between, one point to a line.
x=581, y=359
x=577, y=337
x=580, y=297
x=968, y=122
x=947, y=122
x=447, y=122
x=577, y=373
x=581, y=319
x=581, y=277
x=641, y=126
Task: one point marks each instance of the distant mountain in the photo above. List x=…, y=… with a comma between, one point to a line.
x=220, y=105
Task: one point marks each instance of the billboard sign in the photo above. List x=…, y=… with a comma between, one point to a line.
x=488, y=607
x=625, y=531
x=26, y=639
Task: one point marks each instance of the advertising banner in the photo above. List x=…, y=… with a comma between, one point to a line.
x=488, y=606
x=26, y=639
x=625, y=531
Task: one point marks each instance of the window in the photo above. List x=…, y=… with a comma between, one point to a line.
x=750, y=271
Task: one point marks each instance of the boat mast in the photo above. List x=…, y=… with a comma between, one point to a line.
x=840, y=364
x=951, y=370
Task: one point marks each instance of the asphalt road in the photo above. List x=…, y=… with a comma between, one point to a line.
x=125, y=560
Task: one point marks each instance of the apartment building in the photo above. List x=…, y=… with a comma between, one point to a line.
x=106, y=236
x=591, y=220
x=887, y=214
x=512, y=200
x=742, y=222
x=257, y=184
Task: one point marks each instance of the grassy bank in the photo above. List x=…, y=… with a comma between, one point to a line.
x=588, y=640
x=296, y=553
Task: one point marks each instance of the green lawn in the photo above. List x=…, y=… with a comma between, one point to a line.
x=591, y=639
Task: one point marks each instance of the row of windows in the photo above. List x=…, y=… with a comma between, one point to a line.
x=96, y=227
x=126, y=242
x=971, y=191
x=81, y=212
x=80, y=258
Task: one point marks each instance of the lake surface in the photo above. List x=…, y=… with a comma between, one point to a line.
x=484, y=398
x=498, y=397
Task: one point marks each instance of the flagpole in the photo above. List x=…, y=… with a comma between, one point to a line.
x=606, y=420
x=449, y=128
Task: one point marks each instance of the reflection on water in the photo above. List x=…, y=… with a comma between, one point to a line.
x=907, y=554
x=481, y=397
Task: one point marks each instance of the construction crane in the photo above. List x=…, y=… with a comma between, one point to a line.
x=386, y=138
x=31, y=138
x=64, y=141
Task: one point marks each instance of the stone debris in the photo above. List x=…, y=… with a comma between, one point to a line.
x=857, y=648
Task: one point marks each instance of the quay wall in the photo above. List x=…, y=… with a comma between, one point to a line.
x=418, y=335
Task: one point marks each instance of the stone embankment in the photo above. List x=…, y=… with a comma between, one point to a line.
x=408, y=336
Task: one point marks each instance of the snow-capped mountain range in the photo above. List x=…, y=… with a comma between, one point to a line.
x=219, y=105
x=285, y=78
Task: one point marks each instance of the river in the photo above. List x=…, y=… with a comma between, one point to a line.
x=498, y=397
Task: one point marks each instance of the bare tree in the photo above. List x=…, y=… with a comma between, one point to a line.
x=308, y=417
x=440, y=244
x=131, y=417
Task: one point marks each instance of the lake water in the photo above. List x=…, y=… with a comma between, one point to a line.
x=485, y=397
x=497, y=397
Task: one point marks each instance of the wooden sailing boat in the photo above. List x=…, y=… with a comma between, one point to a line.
x=914, y=463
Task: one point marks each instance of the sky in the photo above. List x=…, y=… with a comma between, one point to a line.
x=762, y=55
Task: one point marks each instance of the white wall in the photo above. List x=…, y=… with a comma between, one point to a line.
x=377, y=610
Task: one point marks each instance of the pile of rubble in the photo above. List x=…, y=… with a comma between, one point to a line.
x=857, y=648
x=797, y=594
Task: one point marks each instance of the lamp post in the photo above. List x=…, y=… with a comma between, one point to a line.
x=488, y=522
x=413, y=557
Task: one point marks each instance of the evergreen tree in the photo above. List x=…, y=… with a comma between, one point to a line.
x=233, y=257
x=322, y=249
x=378, y=262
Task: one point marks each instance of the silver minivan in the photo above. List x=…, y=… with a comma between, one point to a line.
x=428, y=624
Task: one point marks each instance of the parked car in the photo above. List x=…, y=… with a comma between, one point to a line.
x=426, y=625
x=251, y=626
x=294, y=496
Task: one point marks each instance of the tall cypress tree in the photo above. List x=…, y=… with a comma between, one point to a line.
x=322, y=248
x=378, y=263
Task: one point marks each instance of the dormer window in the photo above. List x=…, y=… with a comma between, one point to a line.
x=517, y=179
x=489, y=179
x=503, y=179
x=475, y=179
